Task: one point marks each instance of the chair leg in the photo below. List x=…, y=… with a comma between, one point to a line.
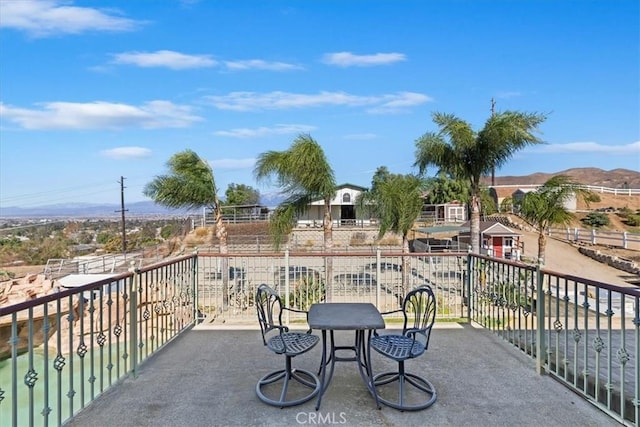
x=405, y=381
x=302, y=376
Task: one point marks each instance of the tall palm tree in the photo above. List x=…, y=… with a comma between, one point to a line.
x=190, y=184
x=462, y=153
x=547, y=206
x=304, y=175
x=398, y=203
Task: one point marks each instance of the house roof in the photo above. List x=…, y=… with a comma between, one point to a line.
x=502, y=192
x=335, y=202
x=492, y=228
x=442, y=229
x=347, y=185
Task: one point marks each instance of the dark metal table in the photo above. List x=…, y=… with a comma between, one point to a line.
x=358, y=317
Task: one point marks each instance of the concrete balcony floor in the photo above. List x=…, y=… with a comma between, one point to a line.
x=207, y=377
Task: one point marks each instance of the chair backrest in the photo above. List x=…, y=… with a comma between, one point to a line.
x=269, y=307
x=419, y=308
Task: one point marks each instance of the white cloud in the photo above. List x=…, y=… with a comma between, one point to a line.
x=126, y=153
x=100, y=115
x=232, y=163
x=253, y=101
x=164, y=58
x=181, y=61
x=259, y=64
x=52, y=17
x=348, y=59
x=400, y=102
x=589, y=147
x=283, y=129
x=508, y=95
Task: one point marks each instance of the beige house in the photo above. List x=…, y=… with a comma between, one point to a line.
x=343, y=209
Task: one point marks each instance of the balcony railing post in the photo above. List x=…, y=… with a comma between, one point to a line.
x=378, y=263
x=133, y=313
x=286, y=285
x=194, y=288
x=540, y=304
x=467, y=285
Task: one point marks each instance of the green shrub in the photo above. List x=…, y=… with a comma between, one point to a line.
x=306, y=292
x=596, y=219
x=633, y=220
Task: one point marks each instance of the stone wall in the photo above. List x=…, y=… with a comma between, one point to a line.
x=344, y=237
x=613, y=261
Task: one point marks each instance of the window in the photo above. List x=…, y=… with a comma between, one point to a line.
x=346, y=198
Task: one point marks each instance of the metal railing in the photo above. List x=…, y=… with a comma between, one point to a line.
x=584, y=333
x=62, y=351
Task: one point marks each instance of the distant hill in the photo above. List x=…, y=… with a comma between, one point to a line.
x=89, y=210
x=616, y=178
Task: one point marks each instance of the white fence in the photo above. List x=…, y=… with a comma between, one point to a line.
x=594, y=188
x=620, y=239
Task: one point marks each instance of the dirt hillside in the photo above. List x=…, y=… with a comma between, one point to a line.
x=616, y=178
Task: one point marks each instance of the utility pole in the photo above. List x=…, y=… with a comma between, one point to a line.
x=122, y=211
x=493, y=167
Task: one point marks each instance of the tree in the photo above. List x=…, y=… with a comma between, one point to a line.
x=443, y=189
x=241, y=194
x=190, y=184
x=546, y=206
x=462, y=153
x=398, y=203
x=367, y=200
x=303, y=175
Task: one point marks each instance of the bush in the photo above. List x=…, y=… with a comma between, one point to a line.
x=633, y=220
x=306, y=292
x=595, y=220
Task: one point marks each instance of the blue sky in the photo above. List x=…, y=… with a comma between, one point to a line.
x=94, y=90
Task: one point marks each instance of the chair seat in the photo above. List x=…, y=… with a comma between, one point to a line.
x=397, y=347
x=296, y=343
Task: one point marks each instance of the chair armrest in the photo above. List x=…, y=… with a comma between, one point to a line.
x=295, y=310
x=413, y=331
x=391, y=312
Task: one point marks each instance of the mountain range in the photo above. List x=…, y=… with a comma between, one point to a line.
x=100, y=210
x=616, y=178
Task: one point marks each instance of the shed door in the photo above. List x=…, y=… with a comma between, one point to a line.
x=497, y=247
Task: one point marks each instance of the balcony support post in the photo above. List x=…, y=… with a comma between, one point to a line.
x=133, y=320
x=540, y=316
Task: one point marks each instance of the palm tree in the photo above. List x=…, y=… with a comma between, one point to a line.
x=398, y=203
x=462, y=153
x=546, y=206
x=190, y=184
x=304, y=175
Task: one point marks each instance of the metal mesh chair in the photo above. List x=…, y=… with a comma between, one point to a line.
x=279, y=340
x=419, y=310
